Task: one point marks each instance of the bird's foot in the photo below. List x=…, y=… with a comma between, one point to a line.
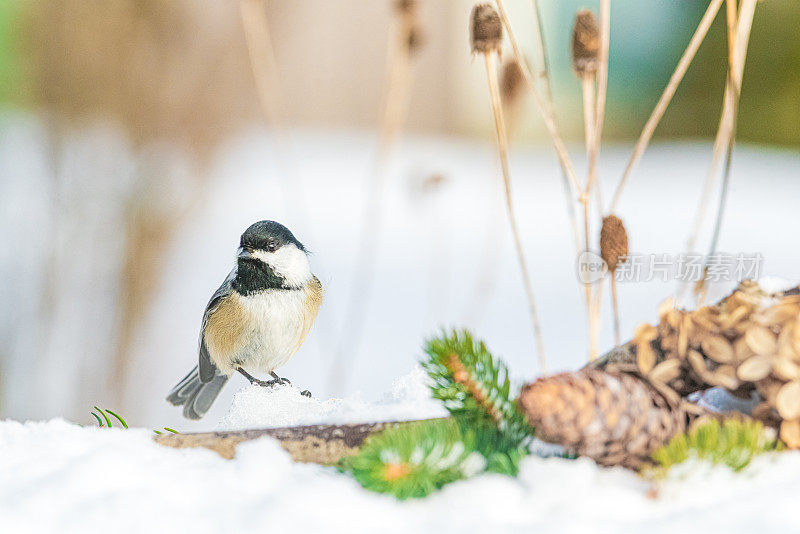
x=280, y=380
x=263, y=383
x=304, y=393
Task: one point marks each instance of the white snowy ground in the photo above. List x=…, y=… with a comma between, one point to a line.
x=56, y=476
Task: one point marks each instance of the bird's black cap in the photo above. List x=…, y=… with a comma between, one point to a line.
x=261, y=233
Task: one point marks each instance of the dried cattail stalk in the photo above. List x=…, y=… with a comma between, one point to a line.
x=543, y=74
x=738, y=43
x=602, y=89
x=485, y=29
x=614, y=418
x=547, y=115
x=613, y=242
x=484, y=12
x=613, y=250
x=585, y=43
x=666, y=97
x=403, y=43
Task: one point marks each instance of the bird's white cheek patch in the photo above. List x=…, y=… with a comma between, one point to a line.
x=289, y=262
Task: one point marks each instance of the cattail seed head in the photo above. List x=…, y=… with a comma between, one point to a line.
x=512, y=81
x=405, y=6
x=486, y=29
x=613, y=242
x=415, y=40
x=585, y=43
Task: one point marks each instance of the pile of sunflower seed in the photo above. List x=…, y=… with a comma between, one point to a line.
x=748, y=341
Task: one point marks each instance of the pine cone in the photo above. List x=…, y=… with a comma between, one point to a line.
x=585, y=43
x=613, y=242
x=749, y=341
x=614, y=418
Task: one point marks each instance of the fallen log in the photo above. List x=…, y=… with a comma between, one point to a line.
x=320, y=444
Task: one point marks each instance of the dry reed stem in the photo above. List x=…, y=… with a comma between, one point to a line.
x=602, y=90
x=595, y=322
x=666, y=97
x=615, y=305
x=727, y=124
x=589, y=121
x=502, y=147
x=558, y=143
x=587, y=83
x=395, y=108
x=544, y=75
x=741, y=38
x=265, y=70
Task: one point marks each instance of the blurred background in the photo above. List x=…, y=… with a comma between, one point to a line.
x=136, y=144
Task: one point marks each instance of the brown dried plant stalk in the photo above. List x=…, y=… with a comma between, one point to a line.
x=666, y=97
x=486, y=37
x=585, y=44
x=602, y=89
x=265, y=73
x=614, y=251
x=502, y=145
x=558, y=142
x=403, y=45
x=740, y=38
x=544, y=75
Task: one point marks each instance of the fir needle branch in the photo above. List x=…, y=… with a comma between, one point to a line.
x=666, y=97
x=502, y=146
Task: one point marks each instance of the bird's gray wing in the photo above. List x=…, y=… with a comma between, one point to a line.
x=206, y=366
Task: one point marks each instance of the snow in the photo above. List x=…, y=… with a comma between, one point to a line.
x=56, y=476
x=259, y=407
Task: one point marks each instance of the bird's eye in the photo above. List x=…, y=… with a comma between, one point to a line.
x=271, y=246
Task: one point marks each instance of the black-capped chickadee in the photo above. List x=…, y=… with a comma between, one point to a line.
x=256, y=320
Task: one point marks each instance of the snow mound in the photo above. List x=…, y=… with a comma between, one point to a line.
x=260, y=407
x=59, y=477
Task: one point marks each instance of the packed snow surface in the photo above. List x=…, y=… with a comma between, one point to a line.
x=57, y=476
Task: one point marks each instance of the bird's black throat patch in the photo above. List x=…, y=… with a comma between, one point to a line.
x=253, y=275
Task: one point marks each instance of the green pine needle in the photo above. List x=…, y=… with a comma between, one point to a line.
x=477, y=392
x=733, y=443
x=414, y=460
x=108, y=421
x=105, y=422
x=120, y=419
x=99, y=421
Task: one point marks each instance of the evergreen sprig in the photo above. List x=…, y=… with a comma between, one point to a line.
x=733, y=443
x=415, y=459
x=103, y=421
x=476, y=390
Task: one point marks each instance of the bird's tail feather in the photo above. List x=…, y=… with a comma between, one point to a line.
x=194, y=395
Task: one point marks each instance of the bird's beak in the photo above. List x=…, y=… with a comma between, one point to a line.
x=244, y=253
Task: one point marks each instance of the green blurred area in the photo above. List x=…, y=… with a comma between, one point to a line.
x=769, y=110
x=11, y=64
x=770, y=104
